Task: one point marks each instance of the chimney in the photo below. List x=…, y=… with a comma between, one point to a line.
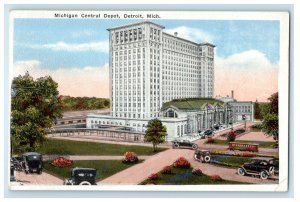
x=232, y=95
x=175, y=33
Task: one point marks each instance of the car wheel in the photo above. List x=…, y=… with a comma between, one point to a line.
x=176, y=145
x=196, y=157
x=207, y=159
x=194, y=146
x=241, y=171
x=205, y=137
x=84, y=183
x=264, y=175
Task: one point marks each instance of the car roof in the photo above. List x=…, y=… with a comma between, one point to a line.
x=91, y=169
x=32, y=154
x=263, y=158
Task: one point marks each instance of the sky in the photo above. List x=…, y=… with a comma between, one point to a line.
x=75, y=53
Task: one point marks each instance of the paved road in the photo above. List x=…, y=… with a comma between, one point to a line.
x=138, y=173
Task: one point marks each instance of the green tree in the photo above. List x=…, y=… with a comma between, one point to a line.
x=35, y=105
x=270, y=116
x=155, y=133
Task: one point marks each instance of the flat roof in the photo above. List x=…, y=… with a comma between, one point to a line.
x=135, y=24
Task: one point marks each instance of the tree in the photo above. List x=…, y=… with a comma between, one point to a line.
x=35, y=106
x=270, y=116
x=155, y=133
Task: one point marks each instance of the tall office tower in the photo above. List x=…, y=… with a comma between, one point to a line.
x=149, y=67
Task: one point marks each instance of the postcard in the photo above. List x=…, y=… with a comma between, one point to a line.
x=148, y=100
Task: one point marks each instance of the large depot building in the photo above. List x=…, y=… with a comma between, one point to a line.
x=154, y=74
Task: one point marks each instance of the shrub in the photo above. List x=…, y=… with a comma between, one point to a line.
x=231, y=136
x=215, y=177
x=61, y=162
x=167, y=170
x=197, y=171
x=153, y=176
x=210, y=140
x=181, y=163
x=130, y=157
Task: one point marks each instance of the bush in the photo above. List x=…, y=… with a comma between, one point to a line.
x=197, y=171
x=210, y=140
x=153, y=176
x=181, y=163
x=231, y=136
x=130, y=157
x=215, y=177
x=167, y=170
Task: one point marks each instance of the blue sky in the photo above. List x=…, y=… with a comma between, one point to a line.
x=74, y=52
x=231, y=37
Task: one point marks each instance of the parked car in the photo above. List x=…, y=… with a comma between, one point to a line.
x=206, y=133
x=184, y=143
x=82, y=176
x=203, y=156
x=216, y=126
x=32, y=162
x=259, y=166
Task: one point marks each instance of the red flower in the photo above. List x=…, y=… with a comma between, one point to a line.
x=181, y=163
x=153, y=176
x=197, y=171
x=130, y=157
x=215, y=177
x=61, y=162
x=167, y=170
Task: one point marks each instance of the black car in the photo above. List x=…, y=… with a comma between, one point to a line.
x=82, y=176
x=184, y=143
x=206, y=133
x=259, y=166
x=202, y=155
x=32, y=162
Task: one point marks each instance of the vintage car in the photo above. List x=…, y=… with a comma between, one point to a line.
x=32, y=162
x=206, y=133
x=202, y=155
x=82, y=176
x=259, y=166
x=184, y=144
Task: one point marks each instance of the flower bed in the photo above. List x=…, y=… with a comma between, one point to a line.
x=215, y=177
x=130, y=157
x=61, y=162
x=181, y=163
x=197, y=171
x=167, y=170
x=153, y=176
x=210, y=140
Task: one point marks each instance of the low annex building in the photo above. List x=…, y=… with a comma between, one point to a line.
x=183, y=117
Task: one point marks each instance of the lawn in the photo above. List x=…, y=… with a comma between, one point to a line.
x=105, y=168
x=69, y=147
x=184, y=176
x=230, y=161
x=236, y=161
x=262, y=144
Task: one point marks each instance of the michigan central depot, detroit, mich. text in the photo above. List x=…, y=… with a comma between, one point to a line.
x=105, y=15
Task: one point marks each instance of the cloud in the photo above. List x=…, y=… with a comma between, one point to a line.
x=193, y=34
x=250, y=74
x=99, y=46
x=87, y=81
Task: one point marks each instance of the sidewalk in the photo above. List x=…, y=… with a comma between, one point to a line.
x=81, y=157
